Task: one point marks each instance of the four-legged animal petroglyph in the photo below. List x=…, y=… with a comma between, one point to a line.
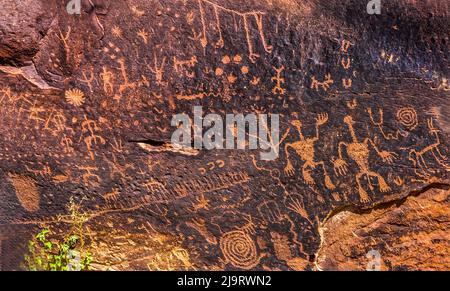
x=417, y=157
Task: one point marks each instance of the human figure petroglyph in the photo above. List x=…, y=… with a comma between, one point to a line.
x=90, y=128
x=67, y=144
x=158, y=70
x=88, y=80
x=126, y=84
x=359, y=152
x=278, y=89
x=304, y=148
x=108, y=84
x=36, y=113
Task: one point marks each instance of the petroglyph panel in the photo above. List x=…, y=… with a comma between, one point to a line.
x=86, y=105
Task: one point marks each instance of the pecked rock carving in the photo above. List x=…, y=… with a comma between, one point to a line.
x=86, y=103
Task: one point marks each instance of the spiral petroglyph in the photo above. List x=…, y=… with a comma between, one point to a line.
x=408, y=117
x=239, y=249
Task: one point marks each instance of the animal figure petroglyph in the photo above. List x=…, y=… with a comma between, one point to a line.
x=315, y=84
x=359, y=152
x=417, y=156
x=305, y=150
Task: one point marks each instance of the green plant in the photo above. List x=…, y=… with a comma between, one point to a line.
x=48, y=251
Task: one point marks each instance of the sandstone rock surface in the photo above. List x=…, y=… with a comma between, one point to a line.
x=86, y=103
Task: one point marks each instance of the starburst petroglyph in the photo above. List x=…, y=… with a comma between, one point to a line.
x=116, y=31
x=75, y=97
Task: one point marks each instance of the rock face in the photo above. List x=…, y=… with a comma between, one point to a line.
x=86, y=103
x=406, y=235
x=23, y=25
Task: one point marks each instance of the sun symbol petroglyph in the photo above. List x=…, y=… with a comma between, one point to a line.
x=360, y=152
x=75, y=97
x=304, y=148
x=116, y=31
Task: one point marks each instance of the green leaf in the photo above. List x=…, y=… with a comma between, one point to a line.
x=41, y=236
x=48, y=245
